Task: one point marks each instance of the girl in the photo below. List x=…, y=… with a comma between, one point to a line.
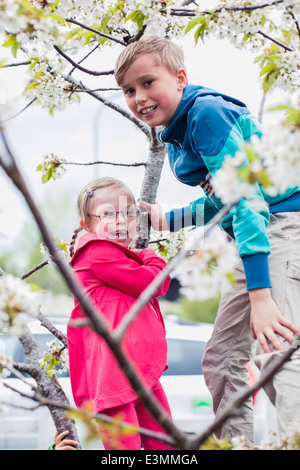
x=113, y=276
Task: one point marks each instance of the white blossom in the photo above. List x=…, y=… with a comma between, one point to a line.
x=210, y=269
x=226, y=182
x=62, y=250
x=18, y=304
x=4, y=371
x=167, y=244
x=279, y=150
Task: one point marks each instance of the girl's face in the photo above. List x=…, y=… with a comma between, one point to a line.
x=112, y=215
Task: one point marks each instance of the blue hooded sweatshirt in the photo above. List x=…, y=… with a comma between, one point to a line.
x=207, y=127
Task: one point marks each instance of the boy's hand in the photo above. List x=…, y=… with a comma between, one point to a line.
x=157, y=218
x=267, y=320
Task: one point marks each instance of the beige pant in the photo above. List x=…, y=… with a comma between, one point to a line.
x=229, y=349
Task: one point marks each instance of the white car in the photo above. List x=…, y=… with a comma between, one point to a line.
x=189, y=398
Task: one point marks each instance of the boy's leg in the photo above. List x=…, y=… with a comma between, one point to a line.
x=226, y=355
x=284, y=262
x=146, y=421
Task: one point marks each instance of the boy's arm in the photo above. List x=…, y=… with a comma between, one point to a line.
x=249, y=227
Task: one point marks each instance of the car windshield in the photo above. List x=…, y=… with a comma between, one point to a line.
x=184, y=357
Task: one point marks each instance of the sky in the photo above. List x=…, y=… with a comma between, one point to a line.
x=90, y=131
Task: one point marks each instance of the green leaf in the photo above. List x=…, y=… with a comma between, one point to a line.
x=194, y=22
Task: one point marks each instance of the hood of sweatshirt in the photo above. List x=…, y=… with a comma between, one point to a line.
x=194, y=132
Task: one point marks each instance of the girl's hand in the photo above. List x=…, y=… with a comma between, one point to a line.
x=266, y=320
x=64, y=444
x=158, y=219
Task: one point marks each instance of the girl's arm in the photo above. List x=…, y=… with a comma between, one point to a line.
x=114, y=267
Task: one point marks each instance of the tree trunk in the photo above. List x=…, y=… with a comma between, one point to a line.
x=49, y=387
x=148, y=192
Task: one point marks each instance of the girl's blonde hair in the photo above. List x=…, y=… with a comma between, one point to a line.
x=165, y=53
x=85, y=197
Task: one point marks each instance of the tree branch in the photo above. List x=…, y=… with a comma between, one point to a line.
x=35, y=269
x=145, y=129
x=99, y=325
x=93, y=30
x=136, y=164
x=79, y=67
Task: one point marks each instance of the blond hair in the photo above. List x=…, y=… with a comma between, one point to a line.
x=85, y=197
x=165, y=53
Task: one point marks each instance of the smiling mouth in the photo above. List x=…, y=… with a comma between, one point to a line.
x=122, y=234
x=148, y=111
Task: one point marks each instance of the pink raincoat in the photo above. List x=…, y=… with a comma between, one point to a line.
x=114, y=276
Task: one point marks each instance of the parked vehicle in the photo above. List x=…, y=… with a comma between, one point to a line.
x=183, y=381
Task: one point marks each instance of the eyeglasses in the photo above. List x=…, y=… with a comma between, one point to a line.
x=108, y=217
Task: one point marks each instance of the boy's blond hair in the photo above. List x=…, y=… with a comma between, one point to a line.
x=165, y=53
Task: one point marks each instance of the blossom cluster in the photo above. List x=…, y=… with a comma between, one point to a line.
x=167, y=244
x=279, y=151
x=62, y=249
x=210, y=268
x=56, y=359
x=32, y=27
x=274, y=165
x=18, y=305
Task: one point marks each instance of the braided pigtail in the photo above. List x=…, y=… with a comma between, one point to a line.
x=73, y=240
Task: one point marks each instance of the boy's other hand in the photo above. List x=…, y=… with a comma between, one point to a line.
x=157, y=218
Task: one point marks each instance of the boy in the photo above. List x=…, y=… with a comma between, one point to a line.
x=201, y=127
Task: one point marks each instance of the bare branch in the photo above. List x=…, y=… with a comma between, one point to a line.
x=85, y=57
x=280, y=44
x=20, y=112
x=111, y=105
x=245, y=7
x=93, y=30
x=18, y=64
x=50, y=327
x=41, y=400
x=136, y=164
x=35, y=269
x=290, y=10
x=79, y=67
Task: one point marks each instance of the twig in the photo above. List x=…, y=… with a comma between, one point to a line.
x=93, y=30
x=35, y=269
x=186, y=12
x=136, y=164
x=145, y=129
x=280, y=44
x=85, y=57
x=43, y=401
x=18, y=64
x=79, y=67
x=20, y=112
x=50, y=327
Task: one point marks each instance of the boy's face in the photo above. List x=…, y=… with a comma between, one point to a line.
x=151, y=91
